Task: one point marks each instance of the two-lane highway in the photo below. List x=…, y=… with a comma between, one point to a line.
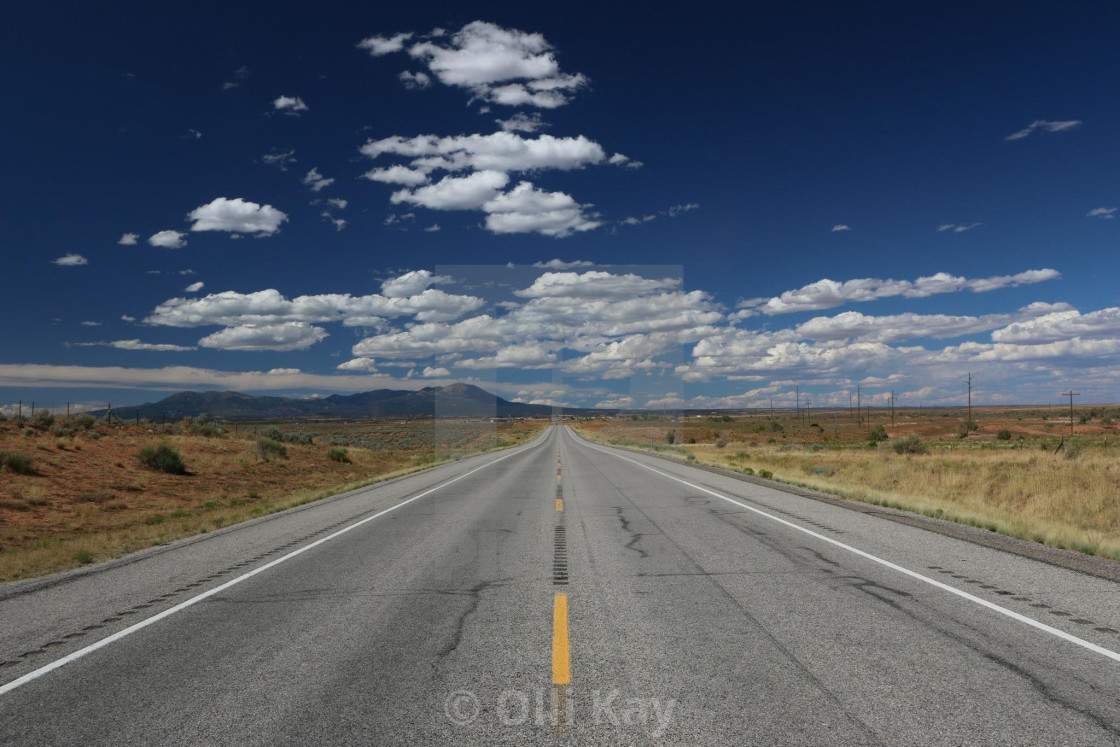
x=565, y=591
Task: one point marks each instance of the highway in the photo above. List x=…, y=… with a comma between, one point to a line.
x=564, y=592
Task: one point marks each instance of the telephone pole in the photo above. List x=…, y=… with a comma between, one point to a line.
x=970, y=398
x=798, y=404
x=1071, y=394
x=892, y=408
x=859, y=406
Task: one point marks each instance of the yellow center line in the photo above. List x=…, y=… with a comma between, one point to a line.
x=561, y=664
x=560, y=505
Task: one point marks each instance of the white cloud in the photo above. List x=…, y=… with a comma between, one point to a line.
x=168, y=239
x=91, y=324
x=240, y=75
x=194, y=287
x=526, y=209
x=1045, y=126
x=676, y=210
x=498, y=151
x=381, y=45
x=236, y=215
x=1102, y=212
x=559, y=264
x=158, y=347
x=70, y=260
x=338, y=223
x=127, y=318
x=128, y=239
x=522, y=122
x=522, y=356
x=358, y=364
x=432, y=228
x=498, y=65
x=293, y=105
x=840, y=227
x=1062, y=325
x=597, y=284
x=316, y=181
x=410, y=283
x=279, y=159
x=414, y=81
x=957, y=228
x=455, y=192
x=398, y=175
x=337, y=202
x=230, y=308
x=826, y=294
x=283, y=337
x=192, y=134
x=431, y=372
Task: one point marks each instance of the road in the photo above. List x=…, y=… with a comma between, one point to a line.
x=564, y=592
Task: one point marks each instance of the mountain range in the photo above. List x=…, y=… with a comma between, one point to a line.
x=455, y=400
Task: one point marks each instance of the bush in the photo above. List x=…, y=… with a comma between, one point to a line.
x=748, y=471
x=671, y=437
x=878, y=433
x=267, y=449
x=765, y=474
x=18, y=463
x=85, y=422
x=42, y=420
x=162, y=458
x=720, y=443
x=1004, y=435
x=338, y=454
x=911, y=444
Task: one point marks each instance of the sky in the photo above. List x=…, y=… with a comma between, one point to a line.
x=580, y=205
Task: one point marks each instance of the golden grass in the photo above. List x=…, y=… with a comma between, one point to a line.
x=96, y=502
x=1068, y=500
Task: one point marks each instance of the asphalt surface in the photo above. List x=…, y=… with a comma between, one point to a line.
x=699, y=609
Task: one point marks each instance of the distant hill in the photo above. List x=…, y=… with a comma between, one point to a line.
x=455, y=400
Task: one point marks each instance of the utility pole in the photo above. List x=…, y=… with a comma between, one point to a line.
x=798, y=405
x=19, y=418
x=1071, y=394
x=892, y=408
x=970, y=398
x=859, y=406
x=849, y=404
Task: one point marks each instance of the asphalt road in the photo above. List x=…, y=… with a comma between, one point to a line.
x=564, y=592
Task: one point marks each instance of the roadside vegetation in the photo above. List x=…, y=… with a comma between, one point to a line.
x=75, y=491
x=1016, y=472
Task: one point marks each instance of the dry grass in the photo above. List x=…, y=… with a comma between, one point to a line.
x=1070, y=499
x=91, y=499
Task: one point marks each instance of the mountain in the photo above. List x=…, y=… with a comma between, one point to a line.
x=455, y=400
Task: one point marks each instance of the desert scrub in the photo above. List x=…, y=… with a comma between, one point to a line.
x=911, y=444
x=17, y=462
x=338, y=454
x=267, y=450
x=162, y=458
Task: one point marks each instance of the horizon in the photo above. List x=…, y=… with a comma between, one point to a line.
x=644, y=213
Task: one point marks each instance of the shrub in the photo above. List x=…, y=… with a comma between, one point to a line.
x=720, y=443
x=267, y=449
x=671, y=437
x=748, y=471
x=338, y=454
x=85, y=422
x=878, y=433
x=911, y=444
x=43, y=420
x=162, y=458
x=1004, y=435
x=16, y=462
x=765, y=474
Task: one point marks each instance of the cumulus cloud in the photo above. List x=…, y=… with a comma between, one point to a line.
x=194, y=287
x=415, y=80
x=128, y=239
x=168, y=239
x=398, y=175
x=559, y=264
x=293, y=105
x=1062, y=325
x=1043, y=125
x=381, y=45
x=676, y=210
x=280, y=159
x=826, y=294
x=70, y=260
x=522, y=122
x=840, y=227
x=283, y=337
x=1102, y=212
x=153, y=346
x=526, y=209
x=469, y=192
x=494, y=64
x=498, y=151
x=237, y=215
x=358, y=364
x=594, y=284
x=316, y=181
x=434, y=372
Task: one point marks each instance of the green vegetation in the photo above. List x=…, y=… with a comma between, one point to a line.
x=338, y=454
x=162, y=458
x=16, y=462
x=267, y=449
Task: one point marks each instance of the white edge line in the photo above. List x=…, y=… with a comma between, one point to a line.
x=875, y=559
x=37, y=673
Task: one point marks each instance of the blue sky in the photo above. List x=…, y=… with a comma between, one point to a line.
x=580, y=205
